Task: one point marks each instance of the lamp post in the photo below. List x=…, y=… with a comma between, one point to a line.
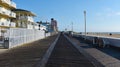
x=72, y=26
x=85, y=23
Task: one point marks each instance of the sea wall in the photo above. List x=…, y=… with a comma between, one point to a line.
x=113, y=41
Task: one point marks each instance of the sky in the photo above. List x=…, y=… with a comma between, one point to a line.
x=101, y=15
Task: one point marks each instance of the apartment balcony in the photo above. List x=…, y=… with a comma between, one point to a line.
x=8, y=24
x=30, y=19
x=5, y=23
x=12, y=24
x=27, y=18
x=12, y=14
x=0, y=10
x=6, y=1
x=9, y=3
x=13, y=4
x=7, y=12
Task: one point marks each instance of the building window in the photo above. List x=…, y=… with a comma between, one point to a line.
x=2, y=24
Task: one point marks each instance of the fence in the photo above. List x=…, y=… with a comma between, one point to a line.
x=16, y=36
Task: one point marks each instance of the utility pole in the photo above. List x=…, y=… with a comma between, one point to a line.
x=85, y=23
x=72, y=26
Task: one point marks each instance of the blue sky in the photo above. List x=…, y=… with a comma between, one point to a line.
x=102, y=15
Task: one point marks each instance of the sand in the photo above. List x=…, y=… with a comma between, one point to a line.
x=105, y=34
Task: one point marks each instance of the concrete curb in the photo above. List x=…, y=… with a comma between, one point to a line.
x=106, y=60
x=46, y=56
x=87, y=55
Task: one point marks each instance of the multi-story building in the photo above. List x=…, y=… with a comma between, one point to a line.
x=54, y=25
x=24, y=19
x=6, y=13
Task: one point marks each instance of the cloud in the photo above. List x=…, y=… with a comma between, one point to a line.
x=112, y=12
x=118, y=13
x=108, y=12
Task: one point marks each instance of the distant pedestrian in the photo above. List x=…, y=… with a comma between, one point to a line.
x=110, y=34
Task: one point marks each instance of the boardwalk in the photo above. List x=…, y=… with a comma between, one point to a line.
x=63, y=54
x=27, y=55
x=66, y=55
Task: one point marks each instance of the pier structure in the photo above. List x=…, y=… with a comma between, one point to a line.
x=60, y=50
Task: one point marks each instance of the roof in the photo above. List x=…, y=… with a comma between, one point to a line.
x=24, y=11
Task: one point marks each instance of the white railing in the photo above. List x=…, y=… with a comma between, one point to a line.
x=13, y=4
x=7, y=12
x=27, y=18
x=0, y=10
x=12, y=24
x=9, y=3
x=6, y=1
x=7, y=23
x=18, y=36
x=30, y=19
x=12, y=14
x=111, y=40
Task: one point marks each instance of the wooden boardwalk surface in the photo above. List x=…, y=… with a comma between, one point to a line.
x=27, y=55
x=66, y=55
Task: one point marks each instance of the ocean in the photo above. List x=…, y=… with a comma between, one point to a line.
x=101, y=32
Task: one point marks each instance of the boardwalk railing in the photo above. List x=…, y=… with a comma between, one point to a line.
x=106, y=40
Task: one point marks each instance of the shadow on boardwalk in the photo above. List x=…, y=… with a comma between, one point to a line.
x=26, y=55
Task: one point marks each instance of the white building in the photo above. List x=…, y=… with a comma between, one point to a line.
x=36, y=26
x=42, y=27
x=24, y=19
x=6, y=13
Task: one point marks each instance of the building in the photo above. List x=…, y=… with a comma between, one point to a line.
x=44, y=26
x=24, y=19
x=54, y=25
x=36, y=26
x=6, y=13
x=47, y=25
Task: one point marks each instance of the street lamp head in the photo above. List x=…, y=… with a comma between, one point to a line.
x=84, y=12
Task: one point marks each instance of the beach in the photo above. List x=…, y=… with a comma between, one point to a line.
x=103, y=34
x=116, y=35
